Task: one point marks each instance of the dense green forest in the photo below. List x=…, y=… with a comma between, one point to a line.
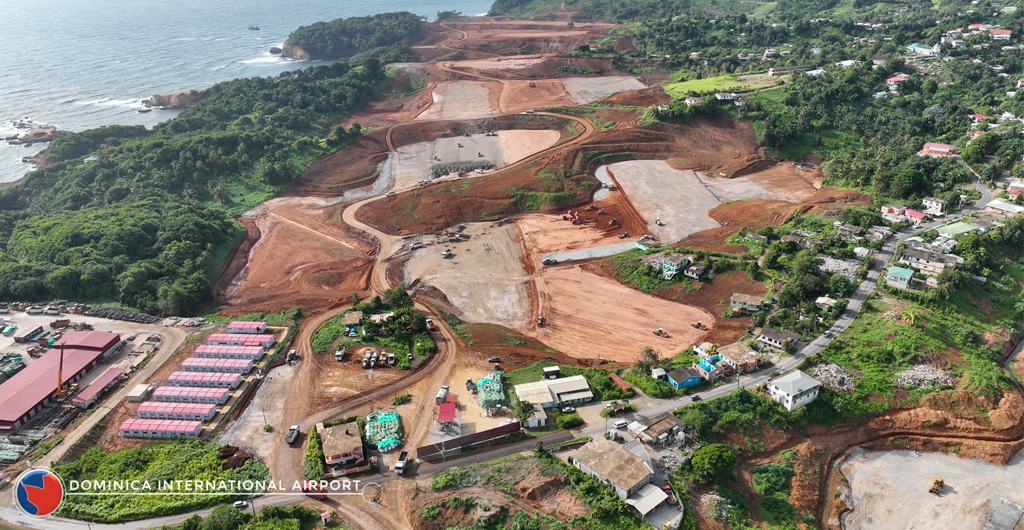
x=347, y=37
x=149, y=221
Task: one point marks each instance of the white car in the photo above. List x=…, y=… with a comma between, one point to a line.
x=241, y=505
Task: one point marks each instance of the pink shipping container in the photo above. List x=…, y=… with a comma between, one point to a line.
x=206, y=379
x=238, y=366
x=207, y=351
x=177, y=411
x=140, y=428
x=186, y=394
x=240, y=339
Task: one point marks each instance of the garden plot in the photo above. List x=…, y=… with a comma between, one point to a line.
x=585, y=90
x=484, y=277
x=462, y=100
x=677, y=197
x=889, y=490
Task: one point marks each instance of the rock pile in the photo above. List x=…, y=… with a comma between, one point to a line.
x=116, y=313
x=923, y=376
x=834, y=377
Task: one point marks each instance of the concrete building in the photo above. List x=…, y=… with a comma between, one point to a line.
x=712, y=367
x=185, y=394
x=893, y=212
x=933, y=206
x=661, y=429
x=615, y=466
x=927, y=261
x=556, y=392
x=776, y=339
x=177, y=411
x=256, y=328
x=674, y=263
x=740, y=357
x=793, y=390
x=899, y=277
x=538, y=418
x=683, y=377
x=745, y=303
x=703, y=349
x=143, y=428
x=695, y=271
x=935, y=150
x=342, y=444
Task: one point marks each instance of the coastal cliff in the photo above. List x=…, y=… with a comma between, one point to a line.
x=292, y=51
x=179, y=100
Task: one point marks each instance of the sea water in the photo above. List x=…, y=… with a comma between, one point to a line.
x=80, y=64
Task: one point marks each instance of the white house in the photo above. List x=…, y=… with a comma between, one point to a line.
x=702, y=349
x=933, y=206
x=794, y=389
x=615, y=466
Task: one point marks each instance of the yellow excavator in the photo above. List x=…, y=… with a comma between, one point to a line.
x=937, y=486
x=61, y=391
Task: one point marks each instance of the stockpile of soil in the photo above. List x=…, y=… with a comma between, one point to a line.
x=639, y=98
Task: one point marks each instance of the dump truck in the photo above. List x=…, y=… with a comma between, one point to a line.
x=292, y=434
x=937, y=486
x=430, y=324
x=60, y=323
x=391, y=358
x=442, y=395
x=339, y=354
x=403, y=458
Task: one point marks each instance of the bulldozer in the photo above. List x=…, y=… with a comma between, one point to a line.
x=541, y=321
x=937, y=486
x=699, y=325
x=661, y=333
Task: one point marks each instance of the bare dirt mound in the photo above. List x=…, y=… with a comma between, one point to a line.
x=639, y=98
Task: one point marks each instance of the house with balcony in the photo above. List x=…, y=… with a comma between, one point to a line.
x=740, y=357
x=776, y=339
x=927, y=261
x=674, y=263
x=894, y=212
x=899, y=277
x=793, y=390
x=935, y=150
x=712, y=368
x=341, y=444
x=703, y=349
x=933, y=206
x=745, y=303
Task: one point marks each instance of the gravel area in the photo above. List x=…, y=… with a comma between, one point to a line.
x=585, y=90
x=923, y=376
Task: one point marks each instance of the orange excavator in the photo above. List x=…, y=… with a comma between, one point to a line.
x=61, y=391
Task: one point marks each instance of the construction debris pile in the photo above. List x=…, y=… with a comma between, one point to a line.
x=924, y=376
x=384, y=430
x=116, y=313
x=714, y=507
x=834, y=377
x=490, y=391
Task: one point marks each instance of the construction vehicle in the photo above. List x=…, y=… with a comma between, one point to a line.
x=403, y=459
x=292, y=355
x=591, y=207
x=61, y=392
x=533, y=84
x=442, y=395
x=292, y=434
x=658, y=222
x=541, y=321
x=550, y=261
x=600, y=212
x=430, y=325
x=699, y=325
x=624, y=235
x=339, y=354
x=937, y=486
x=446, y=254
x=613, y=222
x=391, y=358
x=661, y=333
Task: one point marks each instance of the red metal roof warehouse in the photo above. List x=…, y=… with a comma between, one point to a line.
x=25, y=394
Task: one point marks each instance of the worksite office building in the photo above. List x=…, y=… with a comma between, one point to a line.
x=30, y=390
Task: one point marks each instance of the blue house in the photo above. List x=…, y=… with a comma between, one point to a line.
x=684, y=377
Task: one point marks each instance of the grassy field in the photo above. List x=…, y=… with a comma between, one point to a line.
x=719, y=84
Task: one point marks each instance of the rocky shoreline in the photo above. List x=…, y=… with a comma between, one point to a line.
x=177, y=100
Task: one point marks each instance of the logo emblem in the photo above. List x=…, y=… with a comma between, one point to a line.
x=38, y=492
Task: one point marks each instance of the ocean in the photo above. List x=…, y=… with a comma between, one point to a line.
x=80, y=64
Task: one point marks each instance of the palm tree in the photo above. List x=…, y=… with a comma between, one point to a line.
x=911, y=316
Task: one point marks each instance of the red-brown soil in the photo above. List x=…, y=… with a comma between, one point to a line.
x=639, y=98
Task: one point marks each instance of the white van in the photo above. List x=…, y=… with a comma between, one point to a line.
x=620, y=424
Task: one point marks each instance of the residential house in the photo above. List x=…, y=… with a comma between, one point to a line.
x=745, y=303
x=703, y=349
x=1015, y=190
x=740, y=357
x=695, y=271
x=659, y=373
x=351, y=320
x=383, y=317
x=712, y=367
x=776, y=339
x=684, y=377
x=958, y=229
x=614, y=465
x=927, y=261
x=899, y=277
x=1002, y=207
x=796, y=239
x=556, y=392
x=341, y=444
x=815, y=73
x=894, y=212
x=850, y=232
x=935, y=150
x=725, y=96
x=881, y=231
x=793, y=390
x=809, y=243
x=915, y=216
x=823, y=302
x=933, y=206
x=917, y=49
x=538, y=418
x=931, y=281
x=756, y=237
x=662, y=428
x=1000, y=34
x=848, y=63
x=894, y=82
x=674, y=263
x=693, y=100
x=862, y=252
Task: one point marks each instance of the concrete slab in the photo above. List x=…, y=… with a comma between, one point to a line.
x=595, y=252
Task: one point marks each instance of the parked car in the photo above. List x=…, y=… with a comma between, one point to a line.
x=568, y=410
x=241, y=505
x=695, y=397
x=620, y=424
x=494, y=359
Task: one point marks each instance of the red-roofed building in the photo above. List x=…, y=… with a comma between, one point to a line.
x=937, y=150
x=185, y=394
x=141, y=428
x=247, y=327
x=446, y=412
x=87, y=396
x=1000, y=34
x=893, y=82
x=979, y=117
x=1015, y=190
x=177, y=411
x=205, y=379
x=196, y=364
x=229, y=352
x=619, y=382
x=975, y=26
x=240, y=339
x=915, y=216
x=26, y=393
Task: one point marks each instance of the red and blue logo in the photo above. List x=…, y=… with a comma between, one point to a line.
x=38, y=492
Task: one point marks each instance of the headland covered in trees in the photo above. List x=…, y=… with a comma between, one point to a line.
x=144, y=217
